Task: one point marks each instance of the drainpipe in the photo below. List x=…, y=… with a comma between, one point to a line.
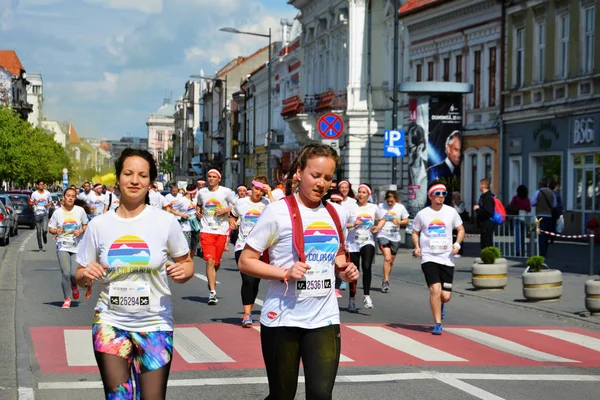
x=501, y=112
x=369, y=88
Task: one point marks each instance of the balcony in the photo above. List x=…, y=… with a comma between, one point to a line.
x=292, y=106
x=326, y=101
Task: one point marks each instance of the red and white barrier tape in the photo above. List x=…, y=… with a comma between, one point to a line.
x=567, y=236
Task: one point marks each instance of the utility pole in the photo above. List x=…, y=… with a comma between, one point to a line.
x=395, y=89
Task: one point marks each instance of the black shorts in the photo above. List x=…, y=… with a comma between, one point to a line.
x=438, y=273
x=393, y=246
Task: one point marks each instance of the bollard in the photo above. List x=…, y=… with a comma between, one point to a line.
x=591, y=272
x=531, y=243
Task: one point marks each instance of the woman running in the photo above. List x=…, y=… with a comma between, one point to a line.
x=185, y=209
x=68, y=222
x=300, y=318
x=391, y=215
x=246, y=211
x=347, y=193
x=128, y=251
x=361, y=243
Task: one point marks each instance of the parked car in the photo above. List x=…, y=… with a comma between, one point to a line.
x=24, y=211
x=13, y=217
x=4, y=227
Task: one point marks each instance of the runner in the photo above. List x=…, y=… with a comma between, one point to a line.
x=87, y=188
x=201, y=184
x=300, y=318
x=111, y=198
x=95, y=200
x=279, y=191
x=361, y=243
x=69, y=223
x=174, y=195
x=348, y=203
x=132, y=327
x=247, y=210
x=185, y=210
x=214, y=206
x=156, y=199
x=391, y=216
x=40, y=201
x=241, y=191
x=432, y=241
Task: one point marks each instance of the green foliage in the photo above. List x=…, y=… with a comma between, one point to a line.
x=535, y=263
x=27, y=153
x=166, y=164
x=490, y=254
x=496, y=251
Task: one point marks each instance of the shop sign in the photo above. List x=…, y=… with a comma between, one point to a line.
x=544, y=134
x=515, y=146
x=583, y=133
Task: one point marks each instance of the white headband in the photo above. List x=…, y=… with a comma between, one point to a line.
x=368, y=189
x=435, y=188
x=214, y=171
x=336, y=197
x=339, y=183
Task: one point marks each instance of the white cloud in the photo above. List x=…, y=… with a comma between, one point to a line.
x=124, y=246
x=145, y=6
x=194, y=53
x=141, y=254
x=317, y=233
x=118, y=263
x=332, y=241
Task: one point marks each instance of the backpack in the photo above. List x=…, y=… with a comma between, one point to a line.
x=499, y=212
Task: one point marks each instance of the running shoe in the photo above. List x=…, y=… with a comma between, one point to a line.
x=457, y=256
x=385, y=286
x=352, y=305
x=212, y=298
x=338, y=294
x=247, y=321
x=343, y=286
x=75, y=291
x=443, y=311
x=367, y=301
x=437, y=329
x=67, y=303
x=40, y=248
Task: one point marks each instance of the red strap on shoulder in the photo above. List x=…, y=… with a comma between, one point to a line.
x=297, y=228
x=338, y=226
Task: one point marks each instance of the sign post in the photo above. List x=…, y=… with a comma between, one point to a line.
x=393, y=143
x=65, y=178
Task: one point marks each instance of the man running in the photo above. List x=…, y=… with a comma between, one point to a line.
x=87, y=189
x=157, y=200
x=432, y=240
x=214, y=206
x=95, y=200
x=40, y=201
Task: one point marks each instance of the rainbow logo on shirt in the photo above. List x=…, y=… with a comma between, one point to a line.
x=436, y=228
x=42, y=202
x=321, y=242
x=211, y=205
x=252, y=216
x=128, y=250
x=366, y=219
x=390, y=216
x=69, y=224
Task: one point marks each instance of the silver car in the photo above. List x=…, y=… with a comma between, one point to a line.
x=4, y=227
x=13, y=216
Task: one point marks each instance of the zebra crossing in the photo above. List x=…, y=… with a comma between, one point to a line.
x=68, y=350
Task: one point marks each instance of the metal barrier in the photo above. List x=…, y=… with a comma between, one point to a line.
x=517, y=237
x=591, y=244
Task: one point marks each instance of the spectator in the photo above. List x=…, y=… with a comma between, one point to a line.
x=558, y=210
x=485, y=211
x=544, y=201
x=520, y=205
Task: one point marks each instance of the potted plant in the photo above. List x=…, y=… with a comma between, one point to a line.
x=490, y=270
x=540, y=282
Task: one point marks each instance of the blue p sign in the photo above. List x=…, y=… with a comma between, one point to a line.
x=393, y=143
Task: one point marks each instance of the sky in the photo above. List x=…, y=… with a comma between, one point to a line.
x=108, y=64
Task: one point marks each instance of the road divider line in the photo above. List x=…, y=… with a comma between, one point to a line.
x=571, y=337
x=406, y=344
x=506, y=346
x=27, y=239
x=79, y=348
x=204, y=278
x=195, y=347
x=468, y=388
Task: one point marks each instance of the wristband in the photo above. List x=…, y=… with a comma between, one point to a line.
x=456, y=244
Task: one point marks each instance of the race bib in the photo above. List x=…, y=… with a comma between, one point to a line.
x=129, y=296
x=439, y=245
x=363, y=236
x=245, y=230
x=67, y=242
x=315, y=283
x=391, y=229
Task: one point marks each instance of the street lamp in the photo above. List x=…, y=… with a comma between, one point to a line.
x=269, y=133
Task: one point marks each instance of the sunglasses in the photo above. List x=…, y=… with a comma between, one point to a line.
x=440, y=193
x=336, y=201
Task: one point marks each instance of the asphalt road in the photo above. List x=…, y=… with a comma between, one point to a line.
x=495, y=351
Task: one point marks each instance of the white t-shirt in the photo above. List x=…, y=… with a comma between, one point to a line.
x=114, y=202
x=210, y=201
x=391, y=231
x=435, y=238
x=135, y=252
x=96, y=203
x=297, y=307
x=277, y=194
x=248, y=212
x=83, y=196
x=172, y=199
x=43, y=199
x=361, y=235
x=68, y=221
x=185, y=206
x=157, y=200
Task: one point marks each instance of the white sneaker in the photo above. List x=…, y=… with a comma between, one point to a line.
x=368, y=302
x=351, y=305
x=212, y=298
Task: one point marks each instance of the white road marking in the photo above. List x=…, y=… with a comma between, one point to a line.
x=468, y=388
x=27, y=239
x=506, y=346
x=203, y=277
x=79, y=348
x=258, y=380
x=572, y=337
x=26, y=394
x=405, y=344
x=195, y=347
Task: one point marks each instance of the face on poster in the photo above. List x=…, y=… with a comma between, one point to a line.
x=417, y=135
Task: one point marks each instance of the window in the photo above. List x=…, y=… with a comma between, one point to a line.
x=419, y=73
x=541, y=51
x=430, y=71
x=520, y=57
x=492, y=81
x=160, y=155
x=488, y=166
x=588, y=41
x=563, y=46
x=446, y=69
x=459, y=75
x=477, y=79
x=159, y=136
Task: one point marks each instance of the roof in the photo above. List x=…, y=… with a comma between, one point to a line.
x=241, y=60
x=166, y=110
x=10, y=61
x=73, y=136
x=412, y=6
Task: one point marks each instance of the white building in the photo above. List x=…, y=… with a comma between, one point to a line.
x=161, y=126
x=60, y=131
x=187, y=129
x=35, y=97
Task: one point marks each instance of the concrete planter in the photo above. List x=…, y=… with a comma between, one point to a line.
x=489, y=276
x=592, y=295
x=543, y=285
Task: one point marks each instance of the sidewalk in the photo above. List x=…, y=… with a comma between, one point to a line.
x=571, y=259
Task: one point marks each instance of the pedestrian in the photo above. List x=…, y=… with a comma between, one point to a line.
x=544, y=201
x=520, y=206
x=300, y=316
x=201, y=184
x=132, y=260
x=348, y=204
x=432, y=241
x=185, y=210
x=484, y=210
x=213, y=207
x=68, y=223
x=41, y=201
x=87, y=189
x=95, y=200
x=174, y=195
x=247, y=210
x=111, y=198
x=156, y=199
x=391, y=215
x=557, y=211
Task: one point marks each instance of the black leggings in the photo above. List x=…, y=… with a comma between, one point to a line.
x=249, y=284
x=366, y=254
x=319, y=349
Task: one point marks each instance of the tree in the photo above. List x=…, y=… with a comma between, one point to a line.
x=166, y=164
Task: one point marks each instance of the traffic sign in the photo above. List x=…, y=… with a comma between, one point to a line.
x=393, y=143
x=330, y=126
x=65, y=171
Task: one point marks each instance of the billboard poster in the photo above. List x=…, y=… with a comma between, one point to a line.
x=417, y=135
x=444, y=148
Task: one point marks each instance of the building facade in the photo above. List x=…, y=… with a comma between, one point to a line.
x=35, y=97
x=117, y=146
x=187, y=127
x=161, y=126
x=60, y=132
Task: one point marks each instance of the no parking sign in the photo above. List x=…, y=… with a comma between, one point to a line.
x=330, y=126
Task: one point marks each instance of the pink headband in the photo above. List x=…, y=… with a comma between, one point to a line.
x=202, y=182
x=215, y=172
x=435, y=188
x=242, y=186
x=258, y=184
x=97, y=184
x=336, y=197
x=368, y=189
x=192, y=191
x=339, y=183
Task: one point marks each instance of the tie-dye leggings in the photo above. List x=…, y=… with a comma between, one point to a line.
x=143, y=351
